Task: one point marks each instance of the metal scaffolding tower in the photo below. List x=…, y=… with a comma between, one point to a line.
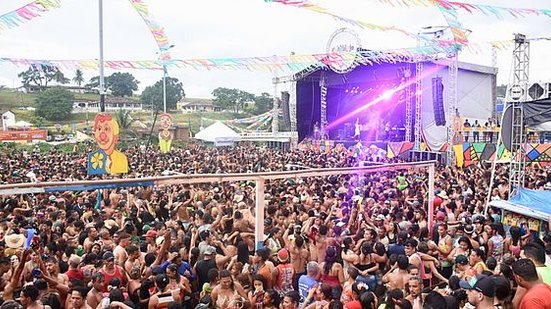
x=452, y=106
x=521, y=61
x=409, y=100
x=418, y=99
x=275, y=109
x=323, y=100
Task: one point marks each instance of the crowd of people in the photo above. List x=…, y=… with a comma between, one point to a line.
x=341, y=241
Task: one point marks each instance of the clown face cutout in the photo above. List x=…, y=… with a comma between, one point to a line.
x=106, y=160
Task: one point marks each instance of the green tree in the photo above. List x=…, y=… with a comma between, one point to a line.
x=122, y=84
x=125, y=121
x=54, y=104
x=79, y=77
x=262, y=103
x=153, y=95
x=93, y=83
x=38, y=121
x=234, y=99
x=40, y=75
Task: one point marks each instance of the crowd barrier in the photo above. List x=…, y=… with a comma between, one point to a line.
x=259, y=178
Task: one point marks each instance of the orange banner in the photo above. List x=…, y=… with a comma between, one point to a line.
x=23, y=135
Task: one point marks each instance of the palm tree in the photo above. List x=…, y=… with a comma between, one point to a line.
x=125, y=121
x=79, y=77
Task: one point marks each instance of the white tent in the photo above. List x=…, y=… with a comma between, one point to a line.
x=22, y=125
x=216, y=133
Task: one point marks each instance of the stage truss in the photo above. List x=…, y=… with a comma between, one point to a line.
x=521, y=61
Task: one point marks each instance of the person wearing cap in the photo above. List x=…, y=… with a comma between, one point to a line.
x=538, y=294
x=111, y=271
x=283, y=274
x=461, y=266
x=163, y=295
x=150, y=237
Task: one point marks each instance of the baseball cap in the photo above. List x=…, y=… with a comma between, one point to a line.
x=151, y=233
x=210, y=250
x=108, y=255
x=461, y=259
x=146, y=228
x=283, y=255
x=480, y=283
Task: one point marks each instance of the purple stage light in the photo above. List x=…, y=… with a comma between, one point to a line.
x=387, y=94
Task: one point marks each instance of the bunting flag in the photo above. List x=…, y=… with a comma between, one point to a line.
x=25, y=13
x=308, y=5
x=487, y=10
x=293, y=63
x=156, y=30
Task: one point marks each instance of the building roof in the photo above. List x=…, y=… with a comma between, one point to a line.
x=196, y=102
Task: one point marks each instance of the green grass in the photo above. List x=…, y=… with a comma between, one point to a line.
x=12, y=100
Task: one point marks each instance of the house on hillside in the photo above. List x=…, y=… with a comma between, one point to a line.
x=189, y=105
x=8, y=119
x=111, y=104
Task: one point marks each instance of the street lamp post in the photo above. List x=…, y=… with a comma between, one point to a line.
x=164, y=88
x=164, y=76
x=101, y=73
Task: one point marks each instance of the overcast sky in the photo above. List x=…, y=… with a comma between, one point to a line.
x=245, y=28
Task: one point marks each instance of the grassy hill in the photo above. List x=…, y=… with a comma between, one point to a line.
x=11, y=100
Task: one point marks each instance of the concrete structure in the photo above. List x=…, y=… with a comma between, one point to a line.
x=189, y=105
x=8, y=119
x=111, y=104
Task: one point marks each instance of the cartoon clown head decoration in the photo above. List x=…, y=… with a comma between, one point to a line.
x=165, y=124
x=107, y=159
x=106, y=132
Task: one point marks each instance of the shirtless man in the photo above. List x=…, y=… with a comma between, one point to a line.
x=134, y=258
x=52, y=266
x=398, y=276
x=120, y=249
x=78, y=298
x=299, y=255
x=94, y=297
x=92, y=237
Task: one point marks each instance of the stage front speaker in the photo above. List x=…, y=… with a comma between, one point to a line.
x=285, y=98
x=438, y=101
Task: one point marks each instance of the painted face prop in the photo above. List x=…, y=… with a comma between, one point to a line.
x=106, y=160
x=165, y=136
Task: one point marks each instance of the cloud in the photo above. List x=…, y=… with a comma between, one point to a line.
x=242, y=28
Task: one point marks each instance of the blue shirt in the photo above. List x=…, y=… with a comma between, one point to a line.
x=305, y=283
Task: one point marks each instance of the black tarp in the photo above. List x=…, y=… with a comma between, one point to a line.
x=537, y=112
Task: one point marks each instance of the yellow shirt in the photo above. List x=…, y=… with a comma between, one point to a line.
x=118, y=163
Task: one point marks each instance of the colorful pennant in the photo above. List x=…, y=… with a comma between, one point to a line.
x=488, y=10
x=308, y=5
x=292, y=63
x=156, y=30
x=25, y=13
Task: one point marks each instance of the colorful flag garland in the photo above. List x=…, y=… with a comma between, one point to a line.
x=25, y=13
x=156, y=30
x=488, y=10
x=307, y=4
x=292, y=63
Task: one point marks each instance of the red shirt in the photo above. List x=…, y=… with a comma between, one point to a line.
x=539, y=296
x=75, y=274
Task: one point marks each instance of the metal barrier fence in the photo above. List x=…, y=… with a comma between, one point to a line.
x=259, y=178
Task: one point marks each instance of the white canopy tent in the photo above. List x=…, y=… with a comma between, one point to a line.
x=217, y=132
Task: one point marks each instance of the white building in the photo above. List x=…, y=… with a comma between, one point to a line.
x=111, y=104
x=8, y=119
